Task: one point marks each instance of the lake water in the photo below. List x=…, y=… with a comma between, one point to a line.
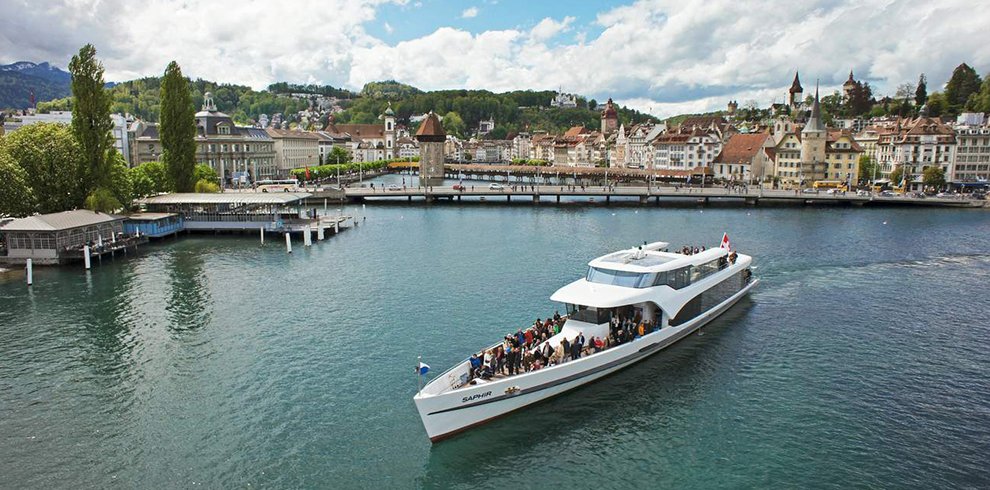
x=861, y=359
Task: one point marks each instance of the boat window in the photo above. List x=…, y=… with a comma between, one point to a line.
x=621, y=278
x=679, y=278
x=588, y=314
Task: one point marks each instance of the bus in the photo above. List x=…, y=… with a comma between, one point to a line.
x=831, y=184
x=286, y=185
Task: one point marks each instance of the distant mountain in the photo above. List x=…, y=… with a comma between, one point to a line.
x=18, y=80
x=41, y=70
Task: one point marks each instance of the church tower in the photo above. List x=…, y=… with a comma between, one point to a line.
x=610, y=118
x=389, y=118
x=813, y=144
x=431, y=137
x=796, y=92
x=849, y=86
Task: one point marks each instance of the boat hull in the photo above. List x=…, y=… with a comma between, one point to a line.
x=450, y=413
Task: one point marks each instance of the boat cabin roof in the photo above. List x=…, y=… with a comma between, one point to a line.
x=650, y=258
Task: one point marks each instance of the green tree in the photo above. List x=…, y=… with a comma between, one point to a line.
x=206, y=186
x=921, y=92
x=860, y=99
x=933, y=177
x=178, y=129
x=937, y=104
x=149, y=178
x=453, y=124
x=896, y=175
x=205, y=172
x=867, y=168
x=120, y=180
x=52, y=160
x=338, y=155
x=91, y=123
x=15, y=195
x=964, y=82
x=980, y=101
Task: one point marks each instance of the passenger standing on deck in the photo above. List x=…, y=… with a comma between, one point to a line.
x=510, y=358
x=580, y=344
x=566, y=349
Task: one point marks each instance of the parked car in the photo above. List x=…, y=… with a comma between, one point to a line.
x=459, y=187
x=496, y=186
x=393, y=187
x=810, y=190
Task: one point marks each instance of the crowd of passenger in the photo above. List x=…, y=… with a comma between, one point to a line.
x=728, y=259
x=688, y=250
x=528, y=350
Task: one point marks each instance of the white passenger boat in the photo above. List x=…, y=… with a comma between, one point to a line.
x=674, y=294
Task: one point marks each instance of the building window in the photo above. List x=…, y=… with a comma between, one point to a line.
x=223, y=129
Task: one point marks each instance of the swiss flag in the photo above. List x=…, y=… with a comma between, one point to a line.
x=725, y=242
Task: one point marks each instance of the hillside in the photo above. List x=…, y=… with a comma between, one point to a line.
x=18, y=80
x=523, y=110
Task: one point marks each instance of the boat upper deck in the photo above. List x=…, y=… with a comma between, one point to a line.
x=654, y=258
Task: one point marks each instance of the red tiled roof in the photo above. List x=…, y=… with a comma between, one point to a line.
x=741, y=148
x=431, y=129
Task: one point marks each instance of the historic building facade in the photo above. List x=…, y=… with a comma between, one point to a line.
x=233, y=151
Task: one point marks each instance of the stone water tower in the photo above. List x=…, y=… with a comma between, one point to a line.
x=431, y=138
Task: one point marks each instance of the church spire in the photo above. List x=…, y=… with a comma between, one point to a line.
x=815, y=119
x=796, y=86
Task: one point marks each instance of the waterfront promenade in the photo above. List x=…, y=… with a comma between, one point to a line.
x=644, y=195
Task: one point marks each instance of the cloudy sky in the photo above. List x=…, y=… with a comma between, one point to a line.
x=662, y=56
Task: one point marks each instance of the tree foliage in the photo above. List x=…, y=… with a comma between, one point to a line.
x=205, y=172
x=867, y=168
x=937, y=104
x=337, y=155
x=964, y=82
x=291, y=88
x=102, y=200
x=206, y=186
x=980, y=101
x=91, y=123
x=51, y=160
x=149, y=178
x=178, y=129
x=15, y=196
x=896, y=176
x=860, y=99
x=921, y=92
x=933, y=177
x=453, y=124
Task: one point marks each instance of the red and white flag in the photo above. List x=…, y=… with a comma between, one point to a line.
x=725, y=242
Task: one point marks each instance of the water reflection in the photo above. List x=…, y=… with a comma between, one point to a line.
x=189, y=302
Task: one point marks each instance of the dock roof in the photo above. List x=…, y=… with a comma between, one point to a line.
x=59, y=221
x=227, y=198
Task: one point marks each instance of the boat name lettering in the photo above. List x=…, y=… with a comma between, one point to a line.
x=476, y=396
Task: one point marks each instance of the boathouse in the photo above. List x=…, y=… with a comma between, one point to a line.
x=154, y=225
x=58, y=237
x=235, y=211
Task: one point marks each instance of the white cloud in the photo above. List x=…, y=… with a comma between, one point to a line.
x=469, y=13
x=667, y=56
x=548, y=28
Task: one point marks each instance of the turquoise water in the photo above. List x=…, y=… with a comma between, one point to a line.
x=861, y=359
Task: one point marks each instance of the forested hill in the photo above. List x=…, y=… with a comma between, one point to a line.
x=512, y=111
